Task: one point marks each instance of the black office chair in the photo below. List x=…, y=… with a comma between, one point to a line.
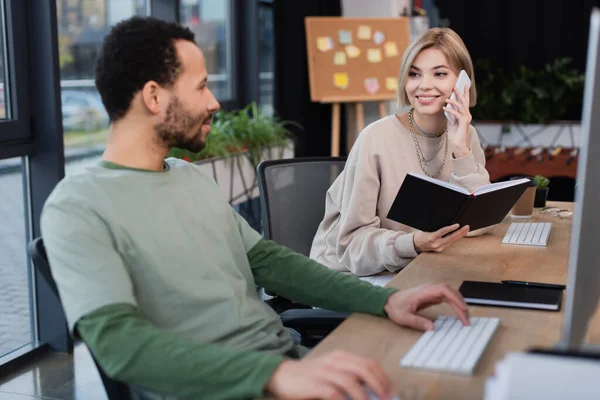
x=292, y=194
x=115, y=390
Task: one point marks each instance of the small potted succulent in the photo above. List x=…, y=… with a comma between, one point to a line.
x=541, y=192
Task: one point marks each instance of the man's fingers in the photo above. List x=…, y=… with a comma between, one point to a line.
x=458, y=303
x=327, y=390
x=454, y=298
x=369, y=372
x=437, y=294
x=347, y=383
x=418, y=322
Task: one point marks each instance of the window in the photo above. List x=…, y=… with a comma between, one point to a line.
x=82, y=25
x=14, y=85
x=16, y=314
x=15, y=283
x=209, y=20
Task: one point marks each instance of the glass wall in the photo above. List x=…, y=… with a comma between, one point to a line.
x=210, y=22
x=15, y=284
x=82, y=25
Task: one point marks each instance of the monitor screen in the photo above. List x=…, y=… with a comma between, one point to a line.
x=583, y=284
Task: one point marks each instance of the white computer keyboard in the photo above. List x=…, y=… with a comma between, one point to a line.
x=452, y=347
x=528, y=233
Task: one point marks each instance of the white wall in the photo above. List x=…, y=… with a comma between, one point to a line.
x=373, y=8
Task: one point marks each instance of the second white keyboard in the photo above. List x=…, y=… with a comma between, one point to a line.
x=452, y=347
x=528, y=233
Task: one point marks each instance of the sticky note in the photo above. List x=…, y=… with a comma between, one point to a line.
x=371, y=85
x=390, y=49
x=339, y=58
x=364, y=32
x=340, y=80
x=378, y=38
x=324, y=43
x=345, y=37
x=391, y=83
x=374, y=55
x=352, y=51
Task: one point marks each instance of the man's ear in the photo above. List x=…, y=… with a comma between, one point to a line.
x=151, y=97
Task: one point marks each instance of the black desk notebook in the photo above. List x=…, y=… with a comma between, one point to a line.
x=504, y=295
x=429, y=204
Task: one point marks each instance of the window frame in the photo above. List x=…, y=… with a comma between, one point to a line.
x=16, y=138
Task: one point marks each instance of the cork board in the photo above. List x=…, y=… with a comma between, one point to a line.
x=355, y=59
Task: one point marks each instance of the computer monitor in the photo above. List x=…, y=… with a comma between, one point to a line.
x=583, y=284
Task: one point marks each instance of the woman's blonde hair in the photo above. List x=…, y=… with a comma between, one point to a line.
x=449, y=43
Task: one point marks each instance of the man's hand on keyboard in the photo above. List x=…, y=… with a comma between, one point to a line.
x=402, y=307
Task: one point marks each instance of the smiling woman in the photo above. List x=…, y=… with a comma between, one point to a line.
x=355, y=235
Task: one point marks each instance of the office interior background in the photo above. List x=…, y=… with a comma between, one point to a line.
x=53, y=122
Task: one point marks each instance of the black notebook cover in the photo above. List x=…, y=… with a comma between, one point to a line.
x=428, y=206
x=505, y=295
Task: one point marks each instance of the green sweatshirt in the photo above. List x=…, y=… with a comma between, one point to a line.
x=159, y=275
x=166, y=363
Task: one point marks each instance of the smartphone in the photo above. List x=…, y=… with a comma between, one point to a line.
x=462, y=81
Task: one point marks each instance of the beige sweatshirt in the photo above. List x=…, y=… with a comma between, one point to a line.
x=355, y=236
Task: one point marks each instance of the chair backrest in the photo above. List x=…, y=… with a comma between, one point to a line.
x=292, y=194
x=115, y=390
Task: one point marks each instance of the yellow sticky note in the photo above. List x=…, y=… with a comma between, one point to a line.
x=340, y=80
x=390, y=49
x=374, y=55
x=352, y=51
x=391, y=83
x=364, y=32
x=324, y=43
x=339, y=58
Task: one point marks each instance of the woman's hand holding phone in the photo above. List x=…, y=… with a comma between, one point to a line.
x=459, y=116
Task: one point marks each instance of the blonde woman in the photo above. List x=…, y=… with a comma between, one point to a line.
x=355, y=235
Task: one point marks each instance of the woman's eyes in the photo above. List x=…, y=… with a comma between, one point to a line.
x=437, y=74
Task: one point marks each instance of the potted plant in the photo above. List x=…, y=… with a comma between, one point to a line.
x=528, y=118
x=541, y=191
x=528, y=96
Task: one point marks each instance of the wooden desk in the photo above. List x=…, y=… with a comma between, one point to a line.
x=481, y=258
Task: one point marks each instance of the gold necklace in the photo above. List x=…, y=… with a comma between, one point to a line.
x=424, y=163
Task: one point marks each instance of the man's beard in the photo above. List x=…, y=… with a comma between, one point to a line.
x=174, y=130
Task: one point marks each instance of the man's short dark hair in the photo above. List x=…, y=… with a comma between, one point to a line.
x=136, y=51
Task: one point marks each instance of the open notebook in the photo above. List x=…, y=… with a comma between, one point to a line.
x=429, y=204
